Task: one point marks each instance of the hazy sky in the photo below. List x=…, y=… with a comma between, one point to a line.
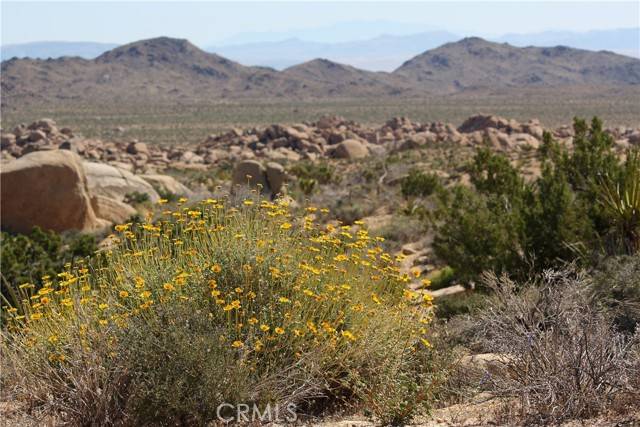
x=209, y=22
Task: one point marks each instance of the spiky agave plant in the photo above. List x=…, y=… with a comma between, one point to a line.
x=620, y=198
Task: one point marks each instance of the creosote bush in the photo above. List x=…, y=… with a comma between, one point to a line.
x=215, y=304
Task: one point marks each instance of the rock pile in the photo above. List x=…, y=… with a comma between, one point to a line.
x=44, y=135
x=329, y=137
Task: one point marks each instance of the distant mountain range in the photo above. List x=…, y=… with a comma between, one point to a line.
x=44, y=50
x=174, y=70
x=373, y=53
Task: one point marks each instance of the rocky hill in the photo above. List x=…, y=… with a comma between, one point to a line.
x=474, y=63
x=166, y=69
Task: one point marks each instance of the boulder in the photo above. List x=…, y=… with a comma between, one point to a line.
x=47, y=189
x=46, y=125
x=112, y=210
x=482, y=122
x=250, y=172
x=7, y=140
x=275, y=177
x=115, y=183
x=37, y=135
x=634, y=138
x=520, y=140
x=167, y=184
x=350, y=149
x=137, y=148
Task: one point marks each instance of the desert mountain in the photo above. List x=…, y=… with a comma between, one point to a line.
x=474, y=63
x=174, y=70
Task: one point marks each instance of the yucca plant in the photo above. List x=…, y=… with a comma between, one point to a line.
x=620, y=198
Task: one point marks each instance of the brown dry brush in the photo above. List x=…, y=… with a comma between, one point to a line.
x=560, y=354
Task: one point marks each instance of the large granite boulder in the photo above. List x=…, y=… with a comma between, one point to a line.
x=47, y=189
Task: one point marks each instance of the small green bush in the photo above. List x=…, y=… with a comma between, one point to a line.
x=419, y=184
x=442, y=278
x=27, y=258
x=307, y=185
x=323, y=172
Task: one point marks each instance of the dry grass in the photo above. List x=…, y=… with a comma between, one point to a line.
x=560, y=354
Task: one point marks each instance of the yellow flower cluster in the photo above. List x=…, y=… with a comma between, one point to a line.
x=274, y=281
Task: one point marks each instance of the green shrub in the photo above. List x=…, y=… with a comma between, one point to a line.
x=307, y=185
x=585, y=204
x=219, y=304
x=419, y=184
x=323, y=172
x=27, y=258
x=480, y=232
x=442, y=278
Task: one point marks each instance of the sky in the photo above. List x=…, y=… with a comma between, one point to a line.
x=207, y=23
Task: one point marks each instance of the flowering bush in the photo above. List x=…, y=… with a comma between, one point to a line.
x=213, y=304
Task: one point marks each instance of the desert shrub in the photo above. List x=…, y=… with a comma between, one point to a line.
x=455, y=305
x=558, y=353
x=400, y=231
x=27, y=258
x=220, y=304
x=323, y=172
x=480, y=232
x=167, y=195
x=442, y=278
x=348, y=210
x=616, y=284
x=419, y=184
x=585, y=205
x=307, y=185
x=136, y=198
